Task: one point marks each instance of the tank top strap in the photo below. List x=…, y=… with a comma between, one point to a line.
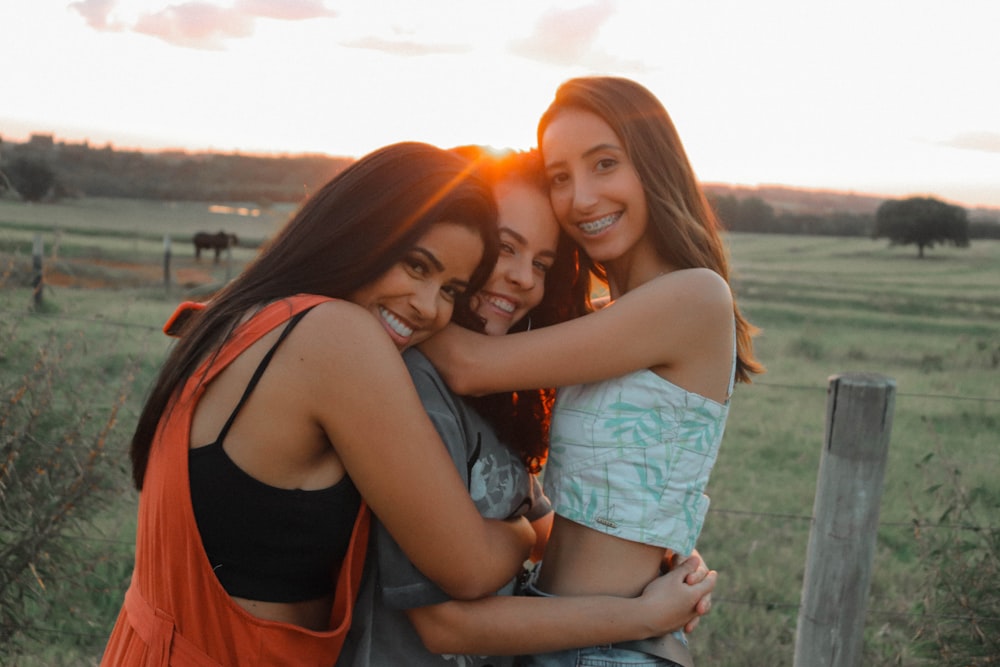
x=732, y=377
x=246, y=334
x=261, y=367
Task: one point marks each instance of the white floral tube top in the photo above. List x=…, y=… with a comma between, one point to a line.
x=631, y=457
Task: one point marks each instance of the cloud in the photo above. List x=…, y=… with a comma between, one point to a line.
x=567, y=37
x=285, y=10
x=199, y=24
x=196, y=25
x=403, y=47
x=988, y=142
x=96, y=13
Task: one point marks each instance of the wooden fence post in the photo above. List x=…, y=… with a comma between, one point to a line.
x=37, y=282
x=830, y=631
x=166, y=263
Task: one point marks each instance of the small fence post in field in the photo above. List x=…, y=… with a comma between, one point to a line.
x=166, y=262
x=37, y=281
x=830, y=631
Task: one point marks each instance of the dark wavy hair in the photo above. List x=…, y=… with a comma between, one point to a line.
x=685, y=230
x=354, y=229
x=521, y=419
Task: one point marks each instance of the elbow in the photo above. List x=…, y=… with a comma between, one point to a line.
x=469, y=588
x=436, y=633
x=434, y=640
x=478, y=578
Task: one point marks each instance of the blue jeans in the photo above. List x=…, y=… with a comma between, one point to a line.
x=607, y=655
x=594, y=656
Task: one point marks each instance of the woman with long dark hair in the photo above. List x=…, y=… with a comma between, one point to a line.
x=285, y=411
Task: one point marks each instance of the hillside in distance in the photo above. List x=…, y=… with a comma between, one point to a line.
x=789, y=199
x=785, y=199
x=80, y=169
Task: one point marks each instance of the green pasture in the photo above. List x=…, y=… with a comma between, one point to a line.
x=142, y=218
x=824, y=305
x=828, y=306
x=129, y=228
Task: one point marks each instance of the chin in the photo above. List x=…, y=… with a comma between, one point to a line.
x=492, y=328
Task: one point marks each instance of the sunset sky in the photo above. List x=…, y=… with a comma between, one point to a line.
x=874, y=96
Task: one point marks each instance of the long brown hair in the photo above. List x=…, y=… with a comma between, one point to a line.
x=354, y=229
x=684, y=228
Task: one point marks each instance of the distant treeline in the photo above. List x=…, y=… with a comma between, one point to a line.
x=43, y=168
x=753, y=214
x=82, y=170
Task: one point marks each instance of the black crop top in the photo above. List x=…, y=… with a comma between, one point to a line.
x=266, y=543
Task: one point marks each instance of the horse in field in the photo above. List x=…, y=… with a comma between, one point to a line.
x=218, y=242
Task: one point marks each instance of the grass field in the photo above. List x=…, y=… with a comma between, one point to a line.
x=825, y=306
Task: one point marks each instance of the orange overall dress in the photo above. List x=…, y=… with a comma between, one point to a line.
x=176, y=611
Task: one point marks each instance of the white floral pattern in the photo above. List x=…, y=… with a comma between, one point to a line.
x=631, y=457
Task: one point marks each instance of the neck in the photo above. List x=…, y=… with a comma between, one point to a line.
x=634, y=269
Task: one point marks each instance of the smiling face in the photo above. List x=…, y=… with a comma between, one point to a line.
x=528, y=237
x=415, y=298
x=595, y=190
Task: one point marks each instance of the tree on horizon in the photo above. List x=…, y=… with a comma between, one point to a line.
x=922, y=221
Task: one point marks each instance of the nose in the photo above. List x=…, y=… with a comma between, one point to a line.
x=584, y=195
x=424, y=301
x=521, y=272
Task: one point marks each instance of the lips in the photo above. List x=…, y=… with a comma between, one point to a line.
x=501, y=303
x=395, y=324
x=594, y=227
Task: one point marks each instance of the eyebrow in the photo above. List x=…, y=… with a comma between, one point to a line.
x=430, y=257
x=523, y=241
x=464, y=284
x=587, y=153
x=602, y=147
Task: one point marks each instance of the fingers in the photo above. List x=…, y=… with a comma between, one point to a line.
x=707, y=583
x=705, y=588
x=700, y=571
x=693, y=565
x=691, y=625
x=704, y=605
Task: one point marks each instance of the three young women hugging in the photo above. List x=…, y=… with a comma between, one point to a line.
x=267, y=437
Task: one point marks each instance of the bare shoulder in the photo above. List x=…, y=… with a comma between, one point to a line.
x=698, y=289
x=701, y=282
x=340, y=311
x=696, y=333
x=340, y=332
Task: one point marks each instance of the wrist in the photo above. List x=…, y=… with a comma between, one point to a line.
x=647, y=616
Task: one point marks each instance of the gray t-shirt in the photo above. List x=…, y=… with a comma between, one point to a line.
x=381, y=634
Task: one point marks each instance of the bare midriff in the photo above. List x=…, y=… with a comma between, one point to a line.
x=309, y=614
x=581, y=561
